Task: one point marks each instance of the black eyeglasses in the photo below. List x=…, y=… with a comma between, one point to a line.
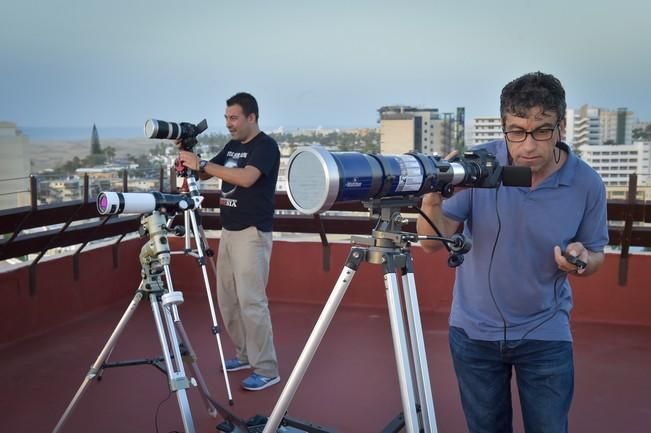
x=539, y=134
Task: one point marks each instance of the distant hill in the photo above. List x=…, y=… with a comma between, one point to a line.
x=45, y=154
x=39, y=133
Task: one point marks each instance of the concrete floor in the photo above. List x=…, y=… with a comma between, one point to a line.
x=351, y=385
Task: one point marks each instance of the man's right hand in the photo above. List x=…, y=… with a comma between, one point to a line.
x=436, y=198
x=431, y=206
x=432, y=199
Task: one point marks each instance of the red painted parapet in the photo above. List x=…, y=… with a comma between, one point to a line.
x=297, y=275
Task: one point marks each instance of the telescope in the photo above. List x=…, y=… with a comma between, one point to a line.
x=110, y=203
x=317, y=178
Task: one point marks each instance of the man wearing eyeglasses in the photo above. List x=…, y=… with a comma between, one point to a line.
x=512, y=297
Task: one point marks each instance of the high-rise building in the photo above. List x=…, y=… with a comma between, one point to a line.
x=586, y=128
x=422, y=130
x=407, y=129
x=617, y=126
x=596, y=126
x=14, y=167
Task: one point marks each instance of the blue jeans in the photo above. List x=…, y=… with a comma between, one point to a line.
x=545, y=376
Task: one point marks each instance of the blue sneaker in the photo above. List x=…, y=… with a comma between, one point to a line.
x=257, y=382
x=235, y=364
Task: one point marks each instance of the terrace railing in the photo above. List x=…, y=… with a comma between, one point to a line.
x=35, y=229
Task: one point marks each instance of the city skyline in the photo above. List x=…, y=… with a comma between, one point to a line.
x=115, y=64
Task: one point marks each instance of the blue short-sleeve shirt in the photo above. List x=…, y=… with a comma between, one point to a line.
x=530, y=296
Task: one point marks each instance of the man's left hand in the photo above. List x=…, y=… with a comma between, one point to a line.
x=189, y=160
x=575, y=249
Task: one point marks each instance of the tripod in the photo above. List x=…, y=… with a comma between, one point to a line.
x=155, y=259
x=190, y=221
x=389, y=247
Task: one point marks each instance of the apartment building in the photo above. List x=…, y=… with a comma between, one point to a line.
x=485, y=129
x=615, y=163
x=596, y=126
x=422, y=130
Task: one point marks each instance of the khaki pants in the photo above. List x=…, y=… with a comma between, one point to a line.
x=242, y=274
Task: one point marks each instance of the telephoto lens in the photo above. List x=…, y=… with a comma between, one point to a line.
x=172, y=130
x=161, y=129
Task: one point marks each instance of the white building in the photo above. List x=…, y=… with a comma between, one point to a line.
x=485, y=129
x=614, y=162
x=14, y=167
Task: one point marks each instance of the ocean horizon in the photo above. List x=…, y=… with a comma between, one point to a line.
x=44, y=133
x=80, y=133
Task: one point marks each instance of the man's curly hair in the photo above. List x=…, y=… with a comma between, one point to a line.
x=534, y=89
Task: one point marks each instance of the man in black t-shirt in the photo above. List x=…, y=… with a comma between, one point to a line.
x=248, y=167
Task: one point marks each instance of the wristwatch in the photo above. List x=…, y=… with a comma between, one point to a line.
x=202, y=165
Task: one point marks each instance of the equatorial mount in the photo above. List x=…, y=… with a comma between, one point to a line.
x=388, y=230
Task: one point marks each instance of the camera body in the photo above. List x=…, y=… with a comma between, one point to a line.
x=481, y=167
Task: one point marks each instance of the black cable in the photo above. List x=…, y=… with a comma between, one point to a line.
x=158, y=409
x=490, y=288
x=490, y=263
x=556, y=308
x=558, y=145
x=431, y=223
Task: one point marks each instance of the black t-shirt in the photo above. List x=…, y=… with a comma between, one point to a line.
x=254, y=206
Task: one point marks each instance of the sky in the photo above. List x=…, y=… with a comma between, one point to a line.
x=116, y=63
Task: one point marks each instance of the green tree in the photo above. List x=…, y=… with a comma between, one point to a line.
x=215, y=142
x=160, y=149
x=109, y=152
x=640, y=134
x=94, y=159
x=69, y=166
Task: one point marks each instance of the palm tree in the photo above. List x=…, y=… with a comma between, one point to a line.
x=109, y=151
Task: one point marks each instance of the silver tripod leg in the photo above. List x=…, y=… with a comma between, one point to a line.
x=191, y=359
x=352, y=263
x=170, y=302
x=104, y=354
x=206, y=282
x=418, y=348
x=178, y=381
x=400, y=347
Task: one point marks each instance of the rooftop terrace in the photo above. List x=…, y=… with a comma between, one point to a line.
x=57, y=314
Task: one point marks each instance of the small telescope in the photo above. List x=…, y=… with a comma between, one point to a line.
x=317, y=178
x=110, y=203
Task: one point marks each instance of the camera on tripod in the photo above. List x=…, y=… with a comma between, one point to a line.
x=316, y=178
x=184, y=131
